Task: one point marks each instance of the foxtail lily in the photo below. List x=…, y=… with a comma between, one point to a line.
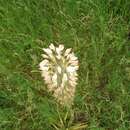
x=59, y=70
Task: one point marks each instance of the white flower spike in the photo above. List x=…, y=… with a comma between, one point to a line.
x=59, y=70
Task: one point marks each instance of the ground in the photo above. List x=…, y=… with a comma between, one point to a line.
x=99, y=33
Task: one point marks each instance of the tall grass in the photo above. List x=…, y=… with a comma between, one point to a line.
x=98, y=32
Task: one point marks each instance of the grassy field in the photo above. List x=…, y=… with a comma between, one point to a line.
x=99, y=33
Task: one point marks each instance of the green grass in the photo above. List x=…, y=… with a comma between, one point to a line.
x=98, y=32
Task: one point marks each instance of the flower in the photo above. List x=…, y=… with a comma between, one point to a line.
x=59, y=70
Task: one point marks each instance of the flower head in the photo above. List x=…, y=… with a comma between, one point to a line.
x=59, y=70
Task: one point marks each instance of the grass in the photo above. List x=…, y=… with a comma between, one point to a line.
x=98, y=32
